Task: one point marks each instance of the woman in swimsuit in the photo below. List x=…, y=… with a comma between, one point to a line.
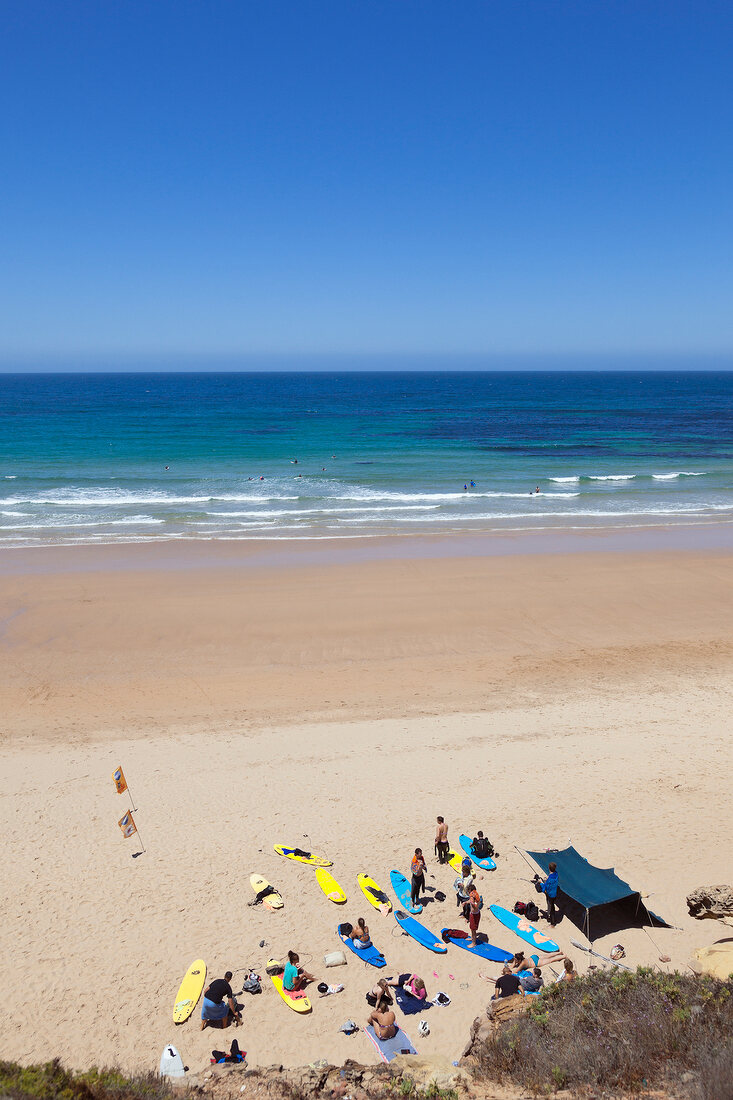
x=360, y=935
x=380, y=994
x=384, y=1023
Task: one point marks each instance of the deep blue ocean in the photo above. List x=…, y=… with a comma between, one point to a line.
x=103, y=458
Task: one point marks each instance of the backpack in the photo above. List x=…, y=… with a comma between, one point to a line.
x=252, y=984
x=519, y=907
x=531, y=911
x=274, y=967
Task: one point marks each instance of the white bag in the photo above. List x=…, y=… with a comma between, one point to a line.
x=335, y=958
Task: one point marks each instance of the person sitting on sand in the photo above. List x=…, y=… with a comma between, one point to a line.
x=506, y=985
x=360, y=935
x=380, y=994
x=412, y=984
x=531, y=983
x=568, y=972
x=295, y=977
x=480, y=846
x=215, y=1011
x=383, y=1021
x=418, y=868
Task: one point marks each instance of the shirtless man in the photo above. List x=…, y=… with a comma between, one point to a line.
x=383, y=1022
x=441, y=840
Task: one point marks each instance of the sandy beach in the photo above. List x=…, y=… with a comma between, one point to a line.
x=339, y=704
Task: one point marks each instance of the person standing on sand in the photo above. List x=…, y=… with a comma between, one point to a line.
x=214, y=1010
x=549, y=888
x=418, y=868
x=474, y=912
x=441, y=841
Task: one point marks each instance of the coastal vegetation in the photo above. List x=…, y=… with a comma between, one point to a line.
x=620, y=1031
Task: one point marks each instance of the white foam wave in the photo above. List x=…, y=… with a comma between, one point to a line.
x=103, y=498
x=679, y=473
x=566, y=480
x=16, y=513
x=611, y=477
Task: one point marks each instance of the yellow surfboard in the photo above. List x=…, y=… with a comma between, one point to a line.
x=272, y=901
x=303, y=857
x=298, y=1003
x=330, y=887
x=188, y=995
x=374, y=894
x=455, y=859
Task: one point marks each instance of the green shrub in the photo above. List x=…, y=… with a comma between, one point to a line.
x=619, y=1030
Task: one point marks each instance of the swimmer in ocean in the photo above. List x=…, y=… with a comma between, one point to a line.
x=473, y=484
x=465, y=488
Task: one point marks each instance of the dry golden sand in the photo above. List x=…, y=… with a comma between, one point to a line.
x=548, y=697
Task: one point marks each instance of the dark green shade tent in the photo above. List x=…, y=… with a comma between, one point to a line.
x=596, y=890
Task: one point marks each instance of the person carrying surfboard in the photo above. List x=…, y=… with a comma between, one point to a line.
x=442, y=846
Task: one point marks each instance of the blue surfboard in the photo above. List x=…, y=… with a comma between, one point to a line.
x=521, y=927
x=485, y=864
x=366, y=954
x=483, y=948
x=419, y=932
x=403, y=890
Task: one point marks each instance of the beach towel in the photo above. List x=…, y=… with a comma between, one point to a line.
x=387, y=1049
x=410, y=1005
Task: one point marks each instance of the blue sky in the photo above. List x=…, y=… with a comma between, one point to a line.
x=226, y=179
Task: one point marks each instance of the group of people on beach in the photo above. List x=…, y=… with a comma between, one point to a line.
x=521, y=975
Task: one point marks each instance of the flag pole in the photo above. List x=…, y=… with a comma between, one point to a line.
x=129, y=795
x=136, y=854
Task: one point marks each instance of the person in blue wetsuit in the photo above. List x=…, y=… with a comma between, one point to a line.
x=549, y=888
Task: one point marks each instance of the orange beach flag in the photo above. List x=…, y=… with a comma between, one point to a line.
x=127, y=824
x=120, y=781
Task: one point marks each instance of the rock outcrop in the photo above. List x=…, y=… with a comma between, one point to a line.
x=712, y=901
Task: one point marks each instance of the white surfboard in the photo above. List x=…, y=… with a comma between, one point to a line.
x=171, y=1063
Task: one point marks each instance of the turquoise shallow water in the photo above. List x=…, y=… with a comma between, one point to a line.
x=131, y=457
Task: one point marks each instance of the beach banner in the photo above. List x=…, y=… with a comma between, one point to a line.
x=120, y=781
x=127, y=824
